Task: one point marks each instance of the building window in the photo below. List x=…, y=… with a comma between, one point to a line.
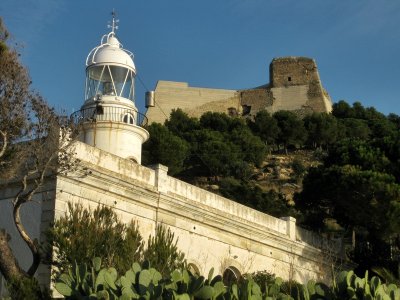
x=289, y=78
x=128, y=118
x=246, y=109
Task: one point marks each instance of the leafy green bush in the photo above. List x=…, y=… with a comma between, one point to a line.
x=82, y=234
x=144, y=282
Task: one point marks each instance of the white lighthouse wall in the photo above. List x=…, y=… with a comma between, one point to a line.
x=115, y=137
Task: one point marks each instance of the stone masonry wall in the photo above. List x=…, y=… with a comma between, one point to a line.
x=294, y=85
x=289, y=71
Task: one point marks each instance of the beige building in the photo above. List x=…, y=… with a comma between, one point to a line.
x=294, y=85
x=213, y=231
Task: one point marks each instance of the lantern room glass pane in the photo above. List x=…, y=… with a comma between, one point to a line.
x=109, y=80
x=127, y=91
x=119, y=74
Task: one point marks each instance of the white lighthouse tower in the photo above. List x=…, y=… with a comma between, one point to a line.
x=109, y=118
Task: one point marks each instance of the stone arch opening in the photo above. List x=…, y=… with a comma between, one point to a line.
x=231, y=275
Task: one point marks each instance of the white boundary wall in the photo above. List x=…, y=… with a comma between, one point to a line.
x=213, y=231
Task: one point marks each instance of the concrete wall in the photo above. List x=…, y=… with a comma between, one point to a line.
x=213, y=231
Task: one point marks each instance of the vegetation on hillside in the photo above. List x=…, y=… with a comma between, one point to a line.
x=351, y=189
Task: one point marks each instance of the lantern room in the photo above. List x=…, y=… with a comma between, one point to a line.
x=110, y=70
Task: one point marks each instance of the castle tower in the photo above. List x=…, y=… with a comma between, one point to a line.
x=109, y=118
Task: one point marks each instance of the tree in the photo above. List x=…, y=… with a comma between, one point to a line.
x=291, y=129
x=266, y=127
x=166, y=148
x=355, y=128
x=162, y=251
x=252, y=195
x=213, y=153
x=32, y=149
x=180, y=123
x=252, y=148
x=356, y=186
x=216, y=121
x=321, y=129
x=358, y=153
x=342, y=110
x=82, y=234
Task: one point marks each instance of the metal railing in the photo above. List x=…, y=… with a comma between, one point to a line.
x=101, y=113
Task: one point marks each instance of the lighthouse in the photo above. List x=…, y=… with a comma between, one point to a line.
x=109, y=119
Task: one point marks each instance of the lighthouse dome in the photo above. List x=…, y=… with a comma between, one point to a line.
x=111, y=52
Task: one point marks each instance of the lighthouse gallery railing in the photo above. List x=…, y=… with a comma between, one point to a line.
x=110, y=114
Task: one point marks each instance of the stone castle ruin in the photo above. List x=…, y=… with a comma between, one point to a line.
x=294, y=85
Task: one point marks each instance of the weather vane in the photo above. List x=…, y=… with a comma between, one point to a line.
x=114, y=22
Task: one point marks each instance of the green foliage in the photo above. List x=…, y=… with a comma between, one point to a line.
x=354, y=129
x=291, y=129
x=180, y=124
x=266, y=127
x=217, y=145
x=253, y=196
x=216, y=121
x=263, y=279
x=82, y=234
x=322, y=129
x=252, y=149
x=166, y=148
x=350, y=195
x=357, y=184
x=213, y=153
x=139, y=282
x=162, y=251
x=144, y=282
x=358, y=153
x=26, y=288
x=298, y=169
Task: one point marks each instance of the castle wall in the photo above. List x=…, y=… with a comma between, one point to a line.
x=294, y=85
x=292, y=71
x=171, y=95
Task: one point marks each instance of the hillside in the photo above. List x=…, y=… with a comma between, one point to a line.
x=282, y=173
x=340, y=169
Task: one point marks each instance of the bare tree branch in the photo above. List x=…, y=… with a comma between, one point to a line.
x=5, y=143
x=9, y=266
x=23, y=197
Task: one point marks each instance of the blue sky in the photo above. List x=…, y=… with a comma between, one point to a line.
x=214, y=43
